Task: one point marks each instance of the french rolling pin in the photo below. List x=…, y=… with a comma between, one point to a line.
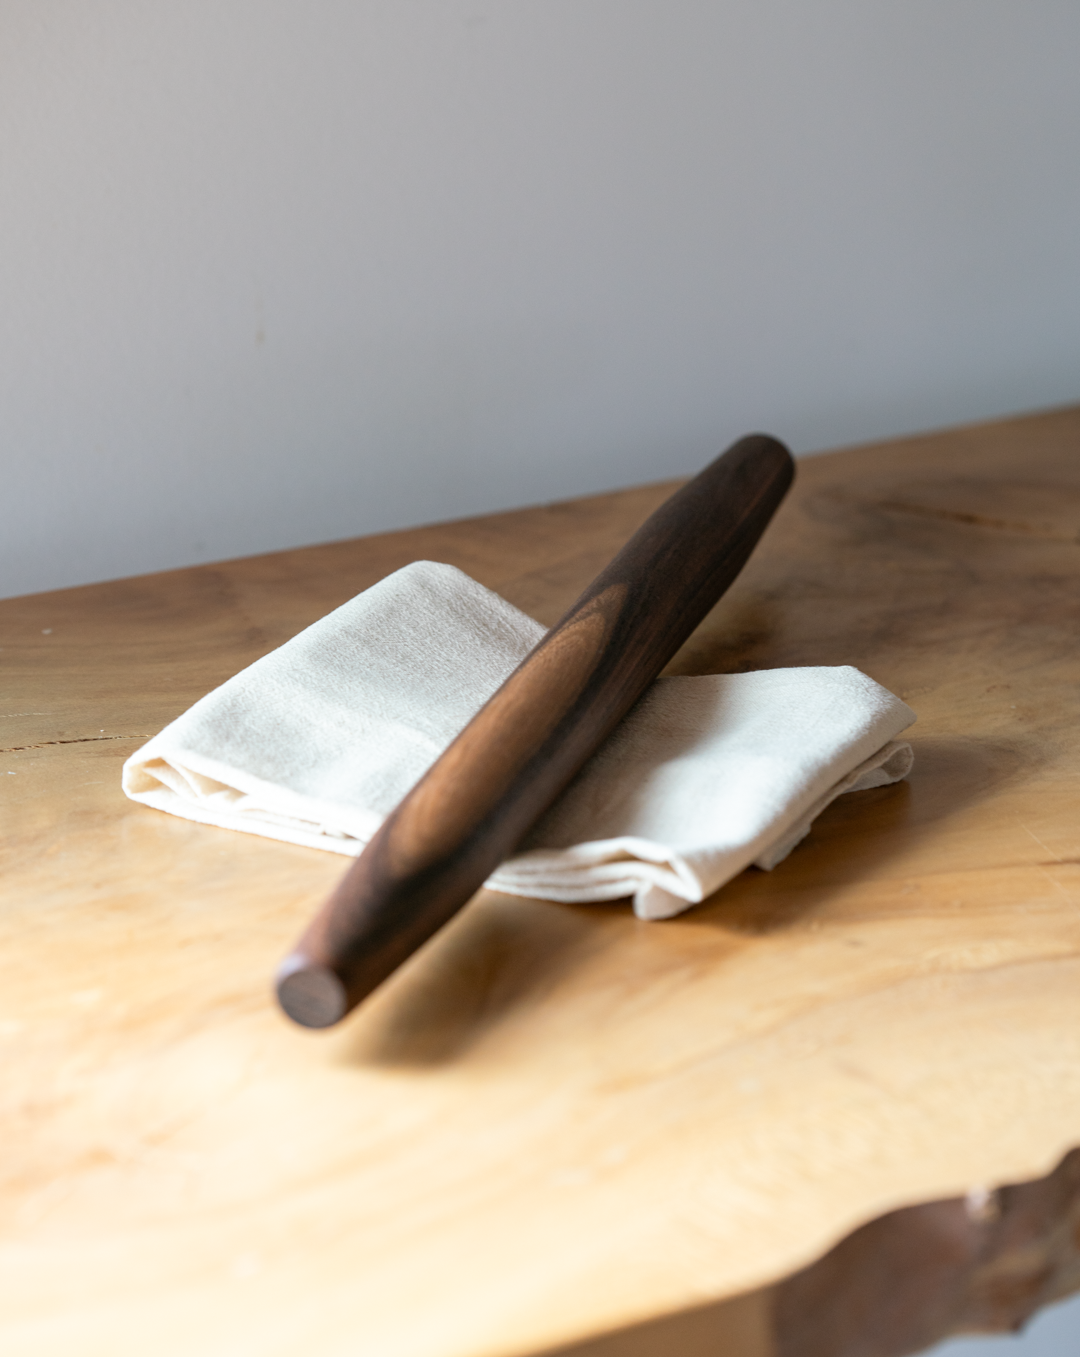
x=480, y=797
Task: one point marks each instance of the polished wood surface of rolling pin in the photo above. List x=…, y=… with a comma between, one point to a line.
x=471, y=809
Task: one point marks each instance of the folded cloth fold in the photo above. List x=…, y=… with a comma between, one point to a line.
x=318, y=741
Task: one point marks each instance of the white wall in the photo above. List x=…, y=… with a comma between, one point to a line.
x=279, y=271
x=1052, y=1333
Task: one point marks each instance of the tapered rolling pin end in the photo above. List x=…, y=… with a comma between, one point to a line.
x=312, y=995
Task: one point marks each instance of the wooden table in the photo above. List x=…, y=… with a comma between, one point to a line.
x=558, y=1122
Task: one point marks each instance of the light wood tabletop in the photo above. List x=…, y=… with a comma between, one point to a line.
x=555, y=1122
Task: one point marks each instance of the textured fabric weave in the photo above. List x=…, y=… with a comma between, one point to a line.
x=318, y=741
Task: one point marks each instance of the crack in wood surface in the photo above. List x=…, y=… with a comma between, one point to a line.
x=82, y=739
x=978, y=520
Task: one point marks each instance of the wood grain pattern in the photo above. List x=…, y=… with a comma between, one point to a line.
x=553, y=1122
x=479, y=799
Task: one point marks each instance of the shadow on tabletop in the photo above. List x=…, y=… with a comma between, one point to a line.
x=857, y=836
x=502, y=953
x=497, y=956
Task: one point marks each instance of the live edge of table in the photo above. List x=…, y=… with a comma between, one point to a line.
x=558, y=1127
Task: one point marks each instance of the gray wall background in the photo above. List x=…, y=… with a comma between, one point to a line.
x=1052, y=1333
x=279, y=271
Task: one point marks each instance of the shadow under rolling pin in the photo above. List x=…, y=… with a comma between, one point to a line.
x=479, y=799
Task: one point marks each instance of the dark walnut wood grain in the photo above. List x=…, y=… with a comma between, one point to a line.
x=478, y=800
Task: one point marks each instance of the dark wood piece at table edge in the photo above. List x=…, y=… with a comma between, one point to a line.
x=894, y=1287
x=478, y=800
x=908, y=1279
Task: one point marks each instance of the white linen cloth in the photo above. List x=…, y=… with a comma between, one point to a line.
x=318, y=741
